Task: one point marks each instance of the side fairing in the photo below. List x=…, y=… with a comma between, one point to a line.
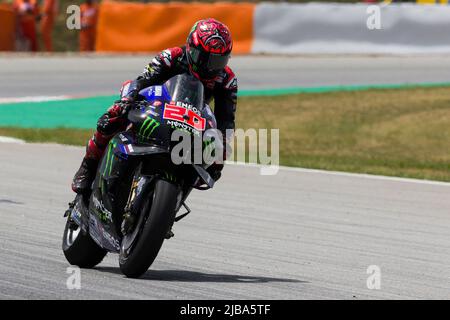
x=108, y=197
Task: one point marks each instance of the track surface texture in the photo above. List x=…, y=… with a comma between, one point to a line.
x=297, y=235
x=96, y=75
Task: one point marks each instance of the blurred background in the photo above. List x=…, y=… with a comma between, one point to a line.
x=41, y=25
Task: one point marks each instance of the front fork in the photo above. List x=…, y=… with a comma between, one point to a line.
x=139, y=185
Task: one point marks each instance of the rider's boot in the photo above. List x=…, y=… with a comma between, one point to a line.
x=85, y=175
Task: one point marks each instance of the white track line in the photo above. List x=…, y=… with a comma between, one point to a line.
x=347, y=174
x=10, y=140
x=33, y=99
x=302, y=170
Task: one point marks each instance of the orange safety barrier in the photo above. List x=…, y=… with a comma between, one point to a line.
x=8, y=27
x=135, y=27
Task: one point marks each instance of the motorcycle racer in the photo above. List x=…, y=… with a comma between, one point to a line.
x=205, y=56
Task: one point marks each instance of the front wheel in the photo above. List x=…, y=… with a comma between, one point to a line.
x=79, y=248
x=135, y=260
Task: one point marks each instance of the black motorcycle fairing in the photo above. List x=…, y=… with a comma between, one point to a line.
x=146, y=144
x=148, y=125
x=109, y=195
x=126, y=144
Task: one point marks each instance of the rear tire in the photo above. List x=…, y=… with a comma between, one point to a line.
x=79, y=248
x=159, y=220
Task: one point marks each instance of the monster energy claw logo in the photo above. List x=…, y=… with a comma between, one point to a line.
x=148, y=127
x=109, y=157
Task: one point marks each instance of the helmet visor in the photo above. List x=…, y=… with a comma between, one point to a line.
x=206, y=61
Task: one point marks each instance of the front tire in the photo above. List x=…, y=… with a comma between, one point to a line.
x=161, y=216
x=79, y=248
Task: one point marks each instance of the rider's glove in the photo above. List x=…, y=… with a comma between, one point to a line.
x=115, y=117
x=107, y=125
x=123, y=106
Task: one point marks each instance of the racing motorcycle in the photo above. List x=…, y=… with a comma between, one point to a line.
x=138, y=190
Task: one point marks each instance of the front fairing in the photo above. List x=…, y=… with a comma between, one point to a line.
x=178, y=104
x=183, y=104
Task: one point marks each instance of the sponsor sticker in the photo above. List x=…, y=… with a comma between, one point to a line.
x=184, y=115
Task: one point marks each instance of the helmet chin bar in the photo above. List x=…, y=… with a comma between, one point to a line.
x=209, y=75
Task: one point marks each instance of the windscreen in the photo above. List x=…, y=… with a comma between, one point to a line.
x=186, y=89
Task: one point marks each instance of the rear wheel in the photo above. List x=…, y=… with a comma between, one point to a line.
x=79, y=248
x=137, y=257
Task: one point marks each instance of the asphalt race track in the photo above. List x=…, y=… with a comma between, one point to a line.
x=300, y=234
x=74, y=75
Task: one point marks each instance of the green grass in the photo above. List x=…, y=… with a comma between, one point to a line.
x=390, y=132
x=75, y=137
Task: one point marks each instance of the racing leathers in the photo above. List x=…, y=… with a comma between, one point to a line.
x=168, y=63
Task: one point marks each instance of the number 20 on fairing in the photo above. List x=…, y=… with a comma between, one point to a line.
x=177, y=113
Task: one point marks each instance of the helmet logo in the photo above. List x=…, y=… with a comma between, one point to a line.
x=213, y=36
x=216, y=41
